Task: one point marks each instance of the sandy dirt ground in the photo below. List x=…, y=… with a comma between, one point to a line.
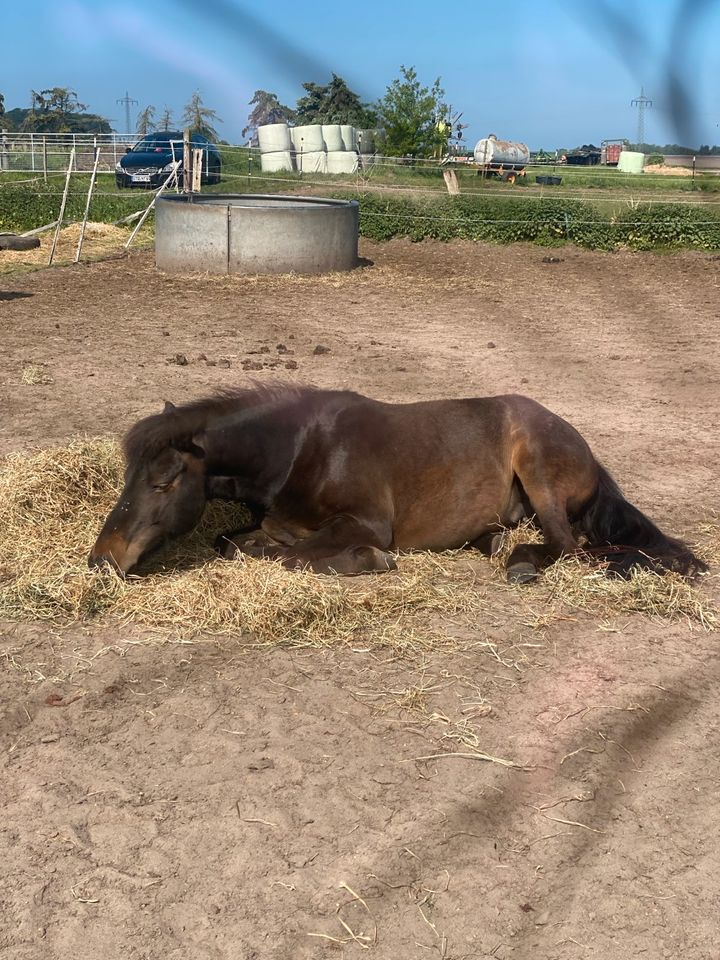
x=165, y=799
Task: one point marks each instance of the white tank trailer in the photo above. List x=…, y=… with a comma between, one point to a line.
x=503, y=158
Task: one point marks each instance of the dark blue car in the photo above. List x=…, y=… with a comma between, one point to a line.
x=149, y=162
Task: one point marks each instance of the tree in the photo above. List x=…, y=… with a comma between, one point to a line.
x=57, y=110
x=267, y=109
x=166, y=121
x=413, y=117
x=334, y=103
x=2, y=105
x=200, y=118
x=146, y=121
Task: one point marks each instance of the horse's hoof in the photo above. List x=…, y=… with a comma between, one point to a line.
x=226, y=548
x=522, y=573
x=496, y=544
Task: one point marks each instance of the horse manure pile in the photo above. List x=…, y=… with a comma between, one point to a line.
x=53, y=503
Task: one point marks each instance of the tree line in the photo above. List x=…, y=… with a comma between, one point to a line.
x=414, y=118
x=58, y=110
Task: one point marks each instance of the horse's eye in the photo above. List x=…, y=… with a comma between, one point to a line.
x=162, y=487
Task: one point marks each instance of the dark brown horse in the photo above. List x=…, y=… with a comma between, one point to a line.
x=338, y=482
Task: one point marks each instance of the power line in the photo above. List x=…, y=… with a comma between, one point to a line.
x=642, y=103
x=127, y=100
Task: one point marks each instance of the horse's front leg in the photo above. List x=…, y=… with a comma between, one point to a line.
x=345, y=545
x=251, y=540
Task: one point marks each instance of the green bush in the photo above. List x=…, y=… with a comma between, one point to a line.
x=491, y=218
x=26, y=206
x=545, y=222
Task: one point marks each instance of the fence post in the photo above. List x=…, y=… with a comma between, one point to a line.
x=62, y=206
x=87, y=203
x=4, y=151
x=187, y=162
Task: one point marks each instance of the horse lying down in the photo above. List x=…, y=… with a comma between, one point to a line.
x=339, y=482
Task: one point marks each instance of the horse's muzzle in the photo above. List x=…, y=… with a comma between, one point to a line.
x=100, y=561
x=113, y=551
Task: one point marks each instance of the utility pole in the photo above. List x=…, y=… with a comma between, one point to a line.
x=127, y=100
x=642, y=103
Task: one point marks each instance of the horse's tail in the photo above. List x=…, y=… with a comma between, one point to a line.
x=618, y=531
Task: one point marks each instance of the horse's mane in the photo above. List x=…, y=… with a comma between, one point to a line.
x=178, y=426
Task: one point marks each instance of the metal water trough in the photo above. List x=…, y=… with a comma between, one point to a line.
x=252, y=233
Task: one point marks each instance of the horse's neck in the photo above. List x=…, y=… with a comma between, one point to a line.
x=257, y=447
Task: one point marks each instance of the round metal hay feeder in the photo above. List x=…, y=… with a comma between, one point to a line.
x=253, y=233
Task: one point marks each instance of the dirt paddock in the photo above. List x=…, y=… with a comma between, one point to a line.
x=212, y=799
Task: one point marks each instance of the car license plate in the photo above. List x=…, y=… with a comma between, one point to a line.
x=141, y=178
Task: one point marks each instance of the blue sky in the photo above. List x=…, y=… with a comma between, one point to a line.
x=551, y=73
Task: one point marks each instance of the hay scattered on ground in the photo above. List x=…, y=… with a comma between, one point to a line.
x=101, y=240
x=35, y=374
x=708, y=545
x=571, y=583
x=52, y=505
x=582, y=584
x=398, y=277
x=666, y=171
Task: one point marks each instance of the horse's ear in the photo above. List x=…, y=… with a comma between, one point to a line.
x=169, y=407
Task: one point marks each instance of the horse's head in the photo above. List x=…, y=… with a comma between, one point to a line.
x=164, y=497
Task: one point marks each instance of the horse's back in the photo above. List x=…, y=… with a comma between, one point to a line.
x=442, y=467
x=441, y=472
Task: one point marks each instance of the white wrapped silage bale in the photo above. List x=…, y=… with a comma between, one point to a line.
x=313, y=161
x=274, y=162
x=332, y=135
x=349, y=136
x=274, y=137
x=308, y=138
x=366, y=141
x=342, y=161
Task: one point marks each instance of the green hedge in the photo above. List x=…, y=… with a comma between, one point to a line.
x=495, y=219
x=24, y=207
x=545, y=222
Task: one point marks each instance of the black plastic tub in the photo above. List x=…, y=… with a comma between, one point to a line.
x=549, y=181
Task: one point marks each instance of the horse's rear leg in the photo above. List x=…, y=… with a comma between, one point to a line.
x=558, y=474
x=527, y=559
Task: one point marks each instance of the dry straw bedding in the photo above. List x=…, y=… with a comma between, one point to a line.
x=100, y=241
x=53, y=503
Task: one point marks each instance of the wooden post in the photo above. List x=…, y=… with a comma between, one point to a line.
x=45, y=160
x=197, y=169
x=62, y=206
x=187, y=161
x=451, y=182
x=87, y=204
